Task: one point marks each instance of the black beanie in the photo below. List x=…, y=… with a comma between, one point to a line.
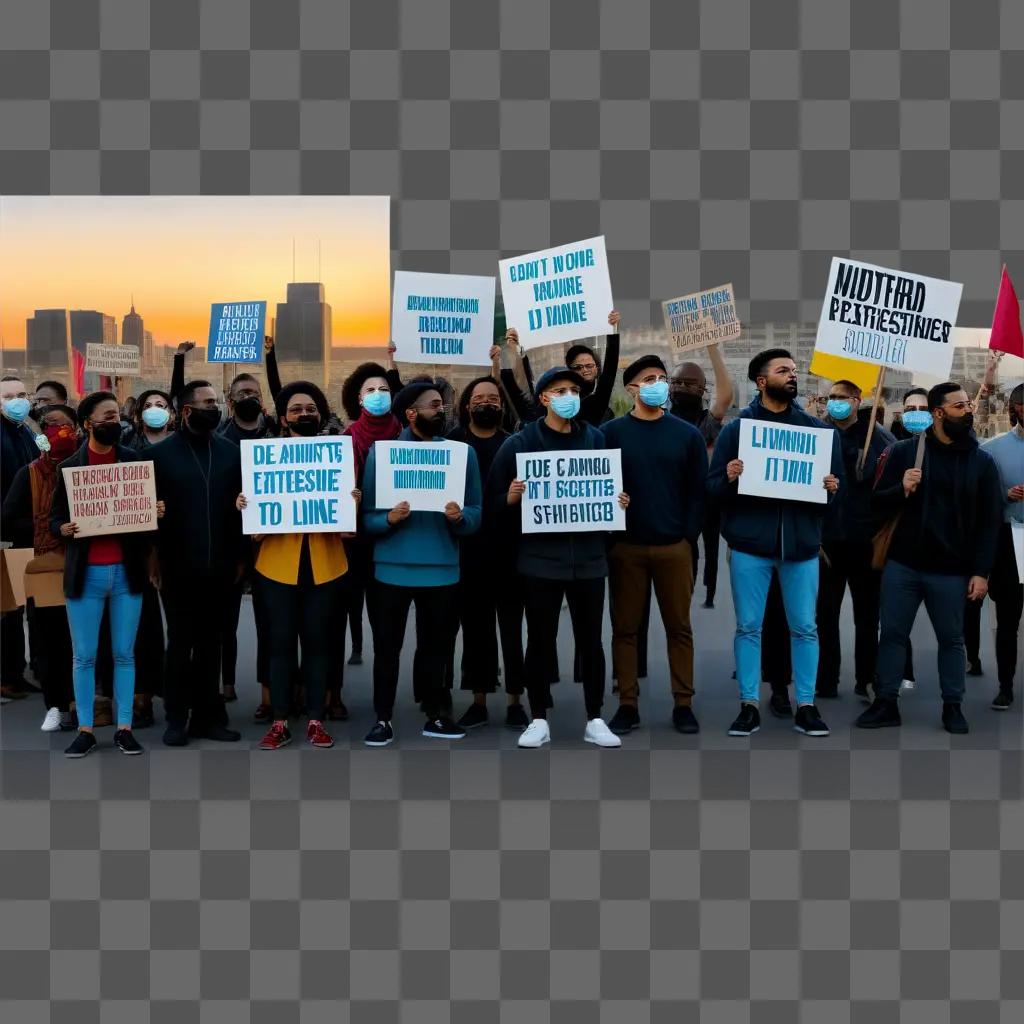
x=641, y=364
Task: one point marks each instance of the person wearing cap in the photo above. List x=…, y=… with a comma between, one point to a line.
x=570, y=565
x=416, y=561
x=664, y=467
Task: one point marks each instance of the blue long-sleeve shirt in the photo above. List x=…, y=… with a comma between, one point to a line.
x=423, y=549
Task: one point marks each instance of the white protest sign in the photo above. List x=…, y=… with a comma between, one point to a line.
x=701, y=319
x=427, y=474
x=1017, y=532
x=299, y=485
x=442, y=318
x=889, y=317
x=119, y=497
x=112, y=360
x=571, y=492
x=783, y=461
x=559, y=294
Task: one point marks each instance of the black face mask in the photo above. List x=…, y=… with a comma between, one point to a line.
x=486, y=416
x=248, y=409
x=785, y=393
x=958, y=429
x=107, y=433
x=305, y=426
x=430, y=426
x=202, y=421
x=684, y=401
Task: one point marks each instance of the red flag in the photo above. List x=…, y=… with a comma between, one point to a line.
x=1006, y=334
x=78, y=368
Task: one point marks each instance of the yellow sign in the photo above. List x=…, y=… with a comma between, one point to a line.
x=864, y=375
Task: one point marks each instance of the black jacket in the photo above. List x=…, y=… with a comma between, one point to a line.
x=552, y=556
x=850, y=519
x=17, y=511
x=135, y=547
x=768, y=527
x=950, y=524
x=18, y=449
x=200, y=534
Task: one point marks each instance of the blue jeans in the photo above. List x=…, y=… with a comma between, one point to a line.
x=751, y=576
x=84, y=616
x=903, y=590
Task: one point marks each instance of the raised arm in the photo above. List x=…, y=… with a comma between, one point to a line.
x=595, y=405
x=273, y=374
x=178, y=371
x=723, y=384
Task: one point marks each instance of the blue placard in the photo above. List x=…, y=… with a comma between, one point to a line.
x=236, y=332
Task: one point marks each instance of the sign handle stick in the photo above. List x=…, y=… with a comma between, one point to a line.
x=919, y=455
x=871, y=422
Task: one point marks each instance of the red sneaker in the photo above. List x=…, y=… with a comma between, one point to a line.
x=278, y=737
x=316, y=735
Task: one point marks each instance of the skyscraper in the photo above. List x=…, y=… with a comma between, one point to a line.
x=147, y=348
x=302, y=334
x=47, y=342
x=132, y=332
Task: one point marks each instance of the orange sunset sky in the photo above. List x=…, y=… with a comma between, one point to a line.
x=178, y=254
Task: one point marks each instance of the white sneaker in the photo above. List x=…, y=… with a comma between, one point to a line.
x=5, y=700
x=536, y=734
x=51, y=723
x=599, y=733
x=907, y=684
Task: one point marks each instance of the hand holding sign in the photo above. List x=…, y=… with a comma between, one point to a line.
x=911, y=479
x=516, y=492
x=733, y=470
x=453, y=512
x=399, y=513
x=785, y=461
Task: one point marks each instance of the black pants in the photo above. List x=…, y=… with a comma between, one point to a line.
x=1008, y=595
x=231, y=612
x=710, y=534
x=436, y=608
x=972, y=629
x=194, y=614
x=847, y=564
x=306, y=613
x=776, y=661
x=486, y=594
x=12, y=648
x=543, y=601
x=359, y=552
x=54, y=656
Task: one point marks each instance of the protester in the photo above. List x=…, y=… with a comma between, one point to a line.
x=26, y=516
x=664, y=467
x=299, y=576
x=944, y=521
x=109, y=568
x=198, y=476
x=18, y=450
x=766, y=533
x=489, y=587
x=1006, y=588
x=154, y=419
x=416, y=561
x=48, y=393
x=846, y=547
x=915, y=418
x=687, y=387
x=570, y=565
x=366, y=398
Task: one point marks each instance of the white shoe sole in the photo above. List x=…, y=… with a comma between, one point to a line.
x=533, y=745
x=812, y=732
x=49, y=728
x=378, y=743
x=603, y=745
x=441, y=736
x=278, y=747
x=735, y=732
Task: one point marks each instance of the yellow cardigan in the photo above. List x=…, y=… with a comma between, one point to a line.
x=278, y=557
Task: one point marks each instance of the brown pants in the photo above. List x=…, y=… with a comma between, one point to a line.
x=634, y=567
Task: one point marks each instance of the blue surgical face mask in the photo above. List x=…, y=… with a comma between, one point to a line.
x=917, y=421
x=17, y=408
x=655, y=395
x=155, y=417
x=839, y=408
x=376, y=403
x=566, y=406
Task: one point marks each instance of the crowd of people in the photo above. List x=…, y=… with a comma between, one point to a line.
x=920, y=515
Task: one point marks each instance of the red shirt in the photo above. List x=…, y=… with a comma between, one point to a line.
x=104, y=550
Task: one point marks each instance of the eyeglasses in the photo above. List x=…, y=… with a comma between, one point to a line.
x=686, y=382
x=659, y=379
x=583, y=367
x=302, y=410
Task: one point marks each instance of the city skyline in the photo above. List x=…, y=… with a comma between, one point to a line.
x=70, y=252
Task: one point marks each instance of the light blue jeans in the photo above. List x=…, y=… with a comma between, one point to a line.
x=84, y=616
x=751, y=576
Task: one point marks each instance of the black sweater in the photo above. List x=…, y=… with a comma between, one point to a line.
x=18, y=449
x=850, y=519
x=950, y=524
x=552, y=556
x=199, y=478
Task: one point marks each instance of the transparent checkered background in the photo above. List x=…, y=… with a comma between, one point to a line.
x=865, y=879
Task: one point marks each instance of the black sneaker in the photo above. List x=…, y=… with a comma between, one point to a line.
x=175, y=736
x=953, y=719
x=863, y=691
x=826, y=691
x=142, y=718
x=474, y=716
x=126, y=742
x=516, y=717
x=685, y=720
x=380, y=735
x=974, y=668
x=809, y=722
x=443, y=729
x=356, y=658
x=881, y=714
x=219, y=733
x=1003, y=700
x=84, y=743
x=709, y=602
x=625, y=720
x=778, y=704
x=748, y=721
